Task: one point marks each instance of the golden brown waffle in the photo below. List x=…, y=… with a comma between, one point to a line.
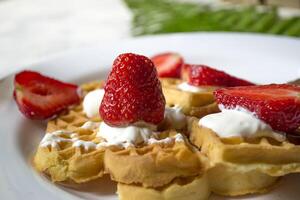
x=155, y=165
x=235, y=181
x=67, y=163
x=193, y=188
x=192, y=104
x=265, y=157
x=151, y=165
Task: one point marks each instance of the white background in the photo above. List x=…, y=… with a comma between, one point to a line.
x=31, y=30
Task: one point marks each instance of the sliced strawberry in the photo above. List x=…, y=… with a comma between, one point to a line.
x=276, y=104
x=132, y=92
x=41, y=97
x=203, y=75
x=185, y=72
x=168, y=64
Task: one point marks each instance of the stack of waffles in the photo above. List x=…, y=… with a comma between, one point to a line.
x=165, y=171
x=186, y=153
x=174, y=170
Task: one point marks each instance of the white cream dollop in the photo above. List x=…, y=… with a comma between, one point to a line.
x=90, y=125
x=56, y=137
x=185, y=86
x=132, y=135
x=92, y=101
x=87, y=145
x=124, y=136
x=175, y=117
x=238, y=122
x=176, y=138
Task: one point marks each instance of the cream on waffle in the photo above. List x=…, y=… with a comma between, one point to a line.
x=262, y=159
x=155, y=163
x=68, y=150
x=197, y=102
x=73, y=150
x=250, y=136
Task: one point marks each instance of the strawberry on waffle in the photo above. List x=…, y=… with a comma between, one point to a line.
x=249, y=139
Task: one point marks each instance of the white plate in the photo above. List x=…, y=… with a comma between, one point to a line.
x=263, y=59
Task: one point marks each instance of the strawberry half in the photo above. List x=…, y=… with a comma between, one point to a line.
x=185, y=72
x=276, y=104
x=203, y=75
x=40, y=97
x=132, y=92
x=168, y=64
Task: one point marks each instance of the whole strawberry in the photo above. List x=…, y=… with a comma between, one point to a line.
x=41, y=97
x=199, y=75
x=132, y=92
x=276, y=104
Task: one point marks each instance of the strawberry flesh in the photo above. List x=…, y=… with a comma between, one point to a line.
x=168, y=64
x=132, y=92
x=185, y=72
x=40, y=97
x=199, y=75
x=276, y=104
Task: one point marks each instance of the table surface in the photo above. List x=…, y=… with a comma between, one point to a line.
x=32, y=30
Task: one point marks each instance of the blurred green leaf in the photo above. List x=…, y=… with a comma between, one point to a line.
x=166, y=16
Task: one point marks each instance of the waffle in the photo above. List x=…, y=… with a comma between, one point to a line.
x=63, y=162
x=235, y=181
x=192, y=104
x=154, y=165
x=263, y=159
x=193, y=188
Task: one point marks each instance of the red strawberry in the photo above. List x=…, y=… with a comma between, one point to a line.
x=204, y=75
x=168, y=64
x=132, y=92
x=185, y=72
x=41, y=97
x=276, y=104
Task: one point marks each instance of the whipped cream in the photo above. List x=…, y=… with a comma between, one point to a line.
x=90, y=125
x=133, y=135
x=56, y=137
x=123, y=137
x=239, y=122
x=92, y=101
x=185, y=86
x=87, y=145
x=175, y=117
x=169, y=140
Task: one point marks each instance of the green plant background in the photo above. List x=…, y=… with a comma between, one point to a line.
x=167, y=16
